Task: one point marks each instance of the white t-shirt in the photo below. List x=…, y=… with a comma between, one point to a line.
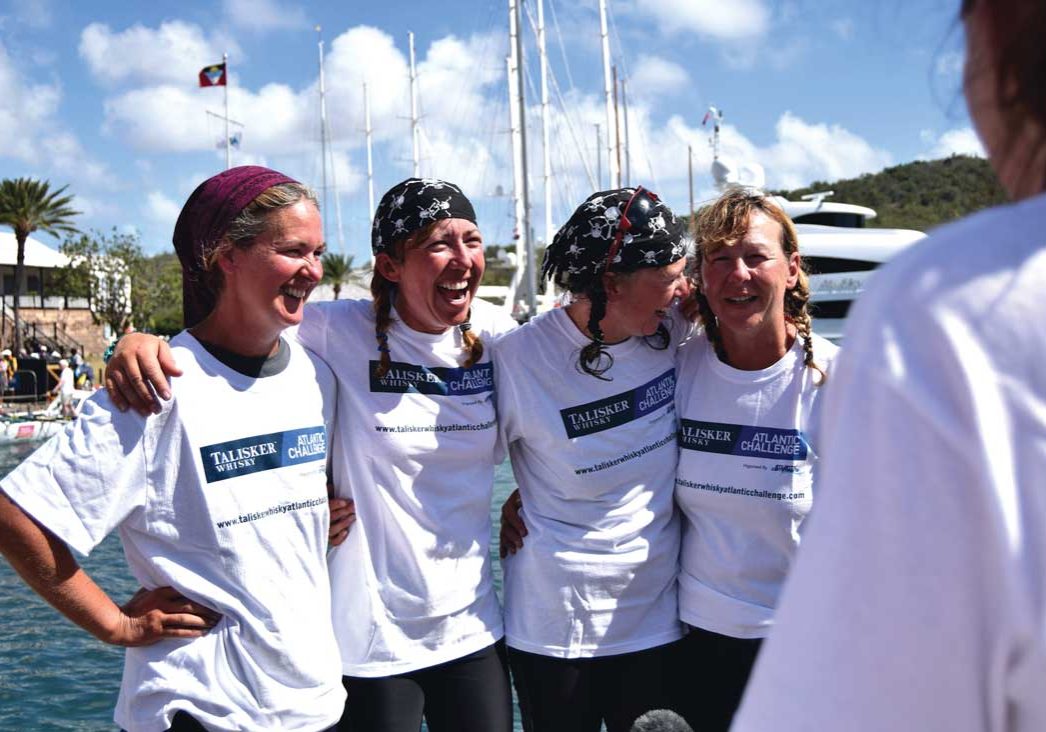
x=412, y=584
x=594, y=461
x=65, y=383
x=747, y=460
x=918, y=601
x=222, y=496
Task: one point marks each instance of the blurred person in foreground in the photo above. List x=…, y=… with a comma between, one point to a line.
x=918, y=600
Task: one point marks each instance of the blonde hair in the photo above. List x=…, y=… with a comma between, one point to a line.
x=383, y=291
x=724, y=223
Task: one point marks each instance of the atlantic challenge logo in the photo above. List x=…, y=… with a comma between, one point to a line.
x=402, y=378
x=263, y=452
x=587, y=419
x=743, y=440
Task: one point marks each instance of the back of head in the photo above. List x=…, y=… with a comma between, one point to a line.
x=228, y=209
x=1017, y=64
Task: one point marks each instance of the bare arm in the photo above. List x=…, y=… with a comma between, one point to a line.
x=343, y=516
x=140, y=365
x=512, y=527
x=46, y=564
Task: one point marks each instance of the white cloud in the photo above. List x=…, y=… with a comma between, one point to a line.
x=844, y=28
x=949, y=63
x=726, y=21
x=801, y=153
x=653, y=75
x=31, y=133
x=175, y=52
x=264, y=15
x=36, y=14
x=162, y=209
x=961, y=141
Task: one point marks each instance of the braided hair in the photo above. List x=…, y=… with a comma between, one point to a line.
x=577, y=261
x=724, y=223
x=383, y=292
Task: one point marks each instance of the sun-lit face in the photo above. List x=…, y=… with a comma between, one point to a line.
x=745, y=283
x=270, y=280
x=639, y=301
x=438, y=277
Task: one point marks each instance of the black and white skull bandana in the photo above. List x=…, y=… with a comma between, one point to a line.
x=580, y=248
x=413, y=204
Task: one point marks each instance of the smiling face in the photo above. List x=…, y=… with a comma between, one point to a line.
x=637, y=302
x=437, y=277
x=745, y=282
x=269, y=281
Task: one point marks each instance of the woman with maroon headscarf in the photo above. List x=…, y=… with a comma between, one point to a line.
x=220, y=497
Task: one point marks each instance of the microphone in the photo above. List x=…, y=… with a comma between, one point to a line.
x=661, y=720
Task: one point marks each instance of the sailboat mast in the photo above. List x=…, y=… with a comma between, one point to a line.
x=323, y=139
x=617, y=128
x=415, y=141
x=228, y=142
x=517, y=181
x=327, y=156
x=516, y=42
x=615, y=174
x=370, y=159
x=628, y=149
x=547, y=152
x=599, y=158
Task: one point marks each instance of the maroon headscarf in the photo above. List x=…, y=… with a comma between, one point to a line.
x=204, y=219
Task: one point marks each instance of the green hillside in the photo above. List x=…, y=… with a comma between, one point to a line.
x=917, y=195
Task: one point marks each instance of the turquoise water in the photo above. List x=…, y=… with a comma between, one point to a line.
x=54, y=676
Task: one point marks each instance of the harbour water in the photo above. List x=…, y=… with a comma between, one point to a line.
x=54, y=676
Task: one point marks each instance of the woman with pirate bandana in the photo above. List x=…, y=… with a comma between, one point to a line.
x=415, y=613
x=586, y=406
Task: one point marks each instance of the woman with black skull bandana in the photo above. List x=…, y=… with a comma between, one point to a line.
x=585, y=404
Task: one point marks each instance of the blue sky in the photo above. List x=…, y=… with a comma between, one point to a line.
x=102, y=96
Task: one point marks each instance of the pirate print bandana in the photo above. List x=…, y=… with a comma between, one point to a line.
x=582, y=246
x=412, y=204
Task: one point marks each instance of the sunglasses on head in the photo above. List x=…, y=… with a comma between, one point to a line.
x=639, y=209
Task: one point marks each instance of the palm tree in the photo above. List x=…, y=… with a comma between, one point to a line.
x=336, y=270
x=27, y=205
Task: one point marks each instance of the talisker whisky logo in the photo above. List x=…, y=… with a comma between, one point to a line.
x=587, y=419
x=771, y=443
x=263, y=452
x=402, y=378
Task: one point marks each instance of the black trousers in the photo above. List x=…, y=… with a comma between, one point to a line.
x=184, y=722
x=580, y=694
x=713, y=672
x=469, y=694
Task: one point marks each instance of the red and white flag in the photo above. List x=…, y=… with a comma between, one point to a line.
x=213, y=75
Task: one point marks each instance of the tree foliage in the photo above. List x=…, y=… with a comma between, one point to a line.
x=337, y=269
x=918, y=195
x=122, y=285
x=28, y=205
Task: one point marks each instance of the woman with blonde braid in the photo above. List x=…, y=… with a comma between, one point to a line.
x=415, y=613
x=746, y=401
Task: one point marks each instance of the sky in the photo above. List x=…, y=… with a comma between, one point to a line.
x=103, y=97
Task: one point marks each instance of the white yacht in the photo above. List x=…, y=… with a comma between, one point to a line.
x=840, y=254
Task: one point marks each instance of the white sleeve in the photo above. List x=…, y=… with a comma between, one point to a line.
x=902, y=611
x=83, y=483
x=312, y=331
x=506, y=404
